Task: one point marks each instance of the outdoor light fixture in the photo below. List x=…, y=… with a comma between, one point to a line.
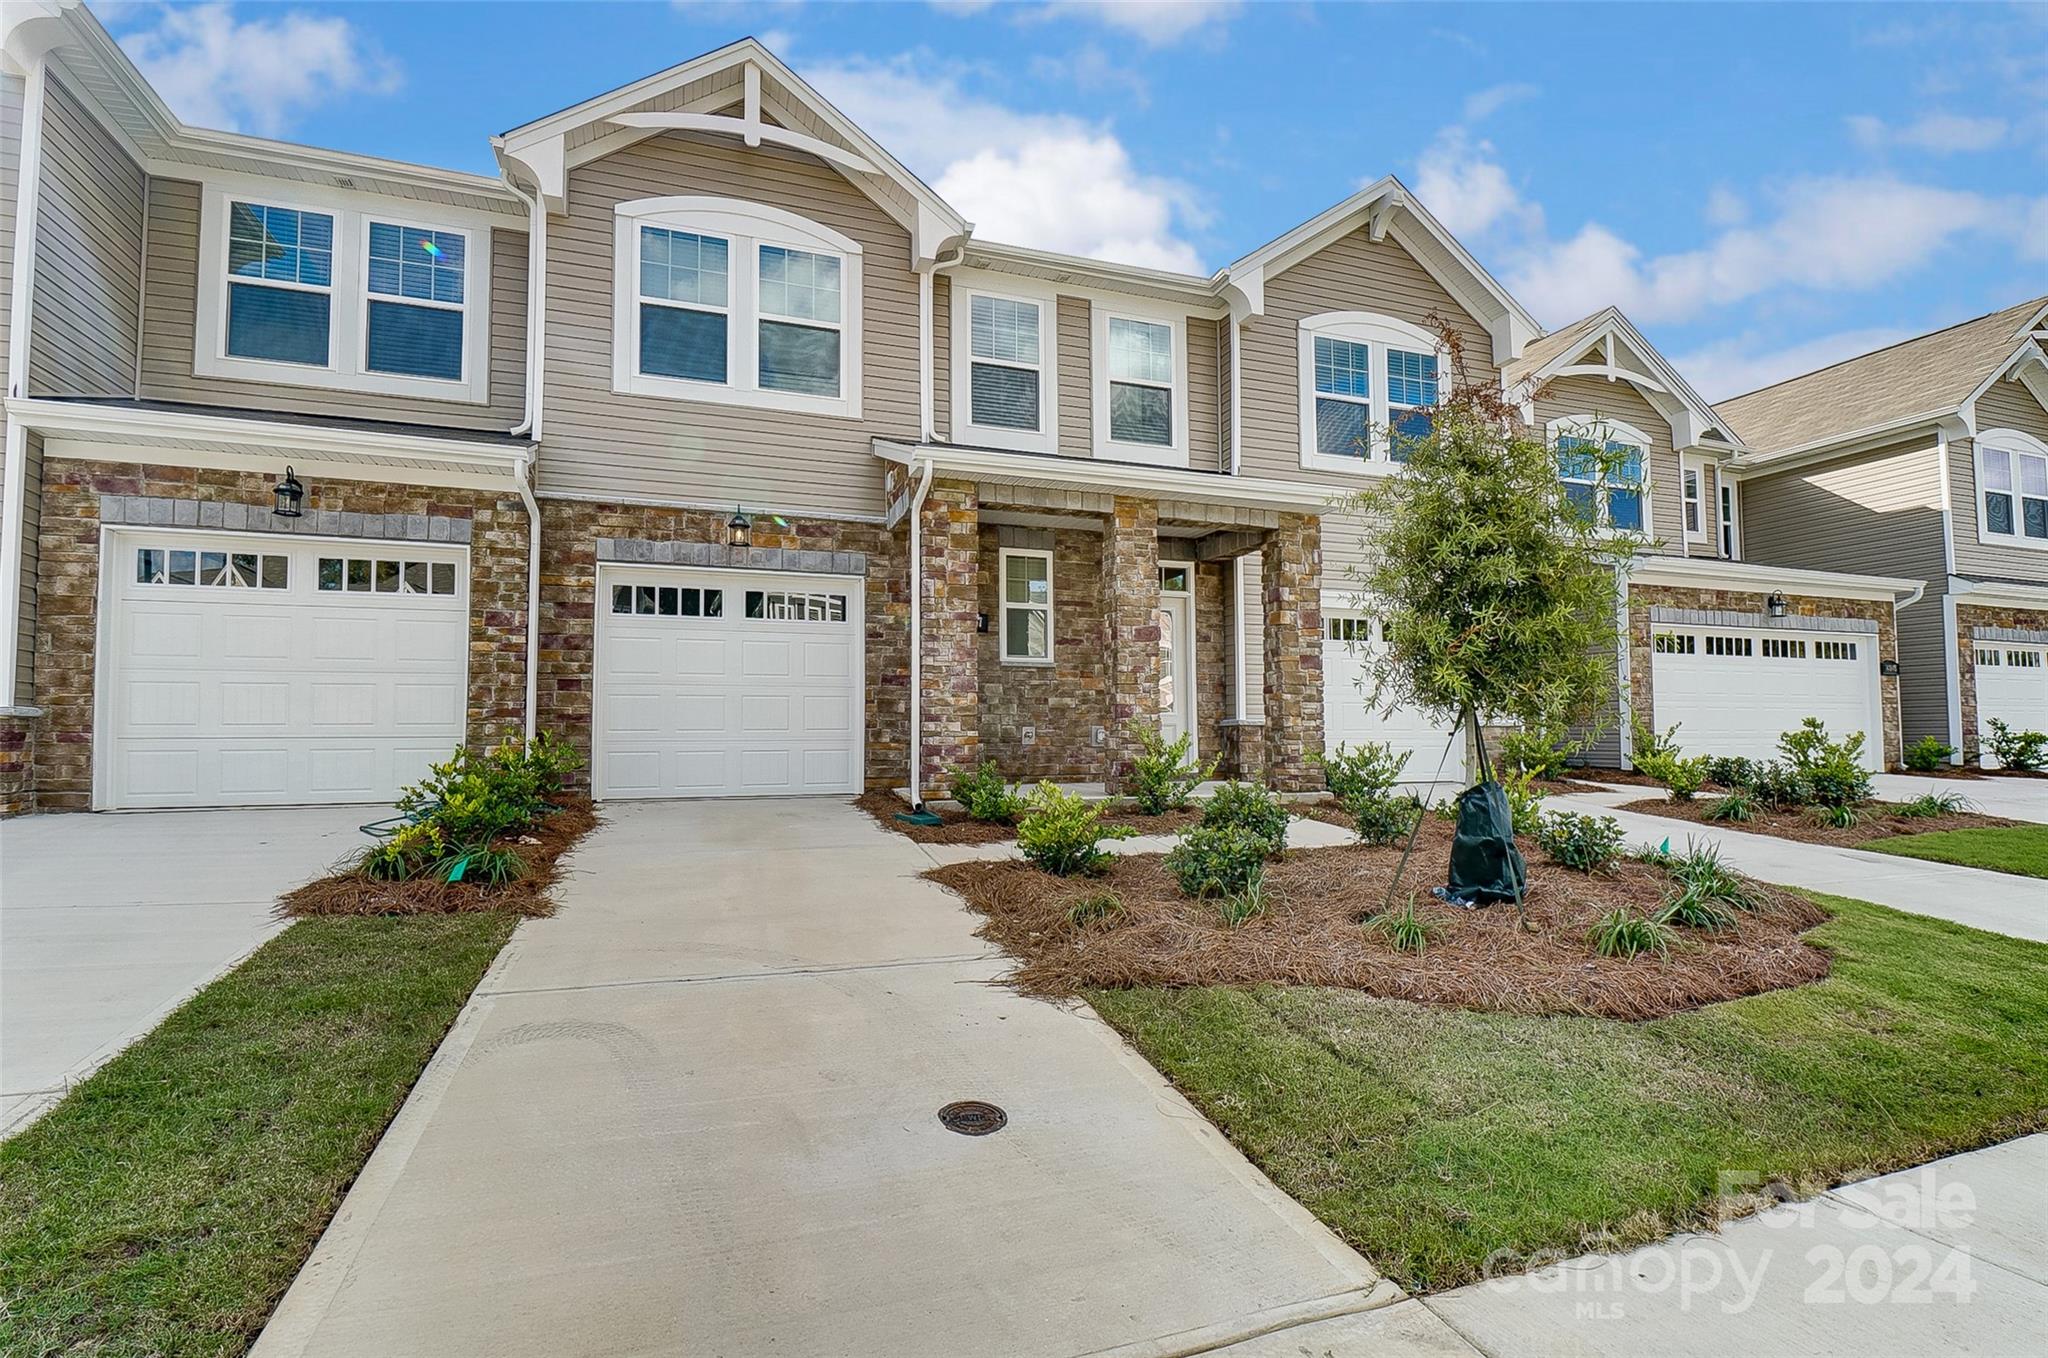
x=290, y=496
x=1776, y=603
x=738, y=530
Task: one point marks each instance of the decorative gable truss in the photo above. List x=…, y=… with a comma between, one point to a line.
x=1606, y=345
x=2026, y=365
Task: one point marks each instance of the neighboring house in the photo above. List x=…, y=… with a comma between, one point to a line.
x=711, y=438
x=1927, y=459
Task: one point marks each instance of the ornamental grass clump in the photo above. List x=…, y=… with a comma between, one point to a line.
x=1621, y=932
x=1404, y=929
x=1930, y=804
x=1097, y=909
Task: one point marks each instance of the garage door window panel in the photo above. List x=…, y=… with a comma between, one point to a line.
x=382, y=575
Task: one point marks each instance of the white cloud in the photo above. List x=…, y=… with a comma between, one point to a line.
x=1937, y=132
x=1460, y=180
x=1730, y=367
x=1043, y=180
x=1726, y=207
x=1487, y=102
x=255, y=75
x=1159, y=23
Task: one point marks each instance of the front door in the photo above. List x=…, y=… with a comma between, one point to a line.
x=1176, y=651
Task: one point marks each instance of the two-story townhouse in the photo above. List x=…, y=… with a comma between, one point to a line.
x=793, y=483
x=1926, y=459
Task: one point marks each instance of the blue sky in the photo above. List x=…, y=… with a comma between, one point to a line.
x=1764, y=189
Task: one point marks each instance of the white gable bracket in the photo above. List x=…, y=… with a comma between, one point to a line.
x=1383, y=214
x=750, y=130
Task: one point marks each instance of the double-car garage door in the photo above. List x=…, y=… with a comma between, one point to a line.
x=1734, y=690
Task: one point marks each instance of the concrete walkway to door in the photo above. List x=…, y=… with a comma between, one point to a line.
x=695, y=1113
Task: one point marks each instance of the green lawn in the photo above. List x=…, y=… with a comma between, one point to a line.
x=1430, y=1138
x=166, y=1204
x=2021, y=849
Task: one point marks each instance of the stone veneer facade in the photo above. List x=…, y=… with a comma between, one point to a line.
x=1970, y=617
x=1040, y=721
x=67, y=613
x=1643, y=598
x=1291, y=574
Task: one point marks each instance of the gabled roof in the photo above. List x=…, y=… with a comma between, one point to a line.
x=1388, y=207
x=774, y=105
x=1607, y=344
x=1915, y=381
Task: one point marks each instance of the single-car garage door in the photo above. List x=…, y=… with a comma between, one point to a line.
x=1734, y=690
x=245, y=670
x=727, y=684
x=2012, y=685
x=1350, y=644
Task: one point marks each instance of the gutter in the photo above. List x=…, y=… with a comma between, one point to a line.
x=924, y=484
x=14, y=488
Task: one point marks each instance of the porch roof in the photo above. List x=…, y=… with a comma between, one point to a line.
x=1104, y=476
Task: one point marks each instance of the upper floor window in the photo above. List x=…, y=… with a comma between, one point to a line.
x=2012, y=488
x=1731, y=542
x=1600, y=465
x=1004, y=363
x=1141, y=386
x=738, y=303
x=1369, y=386
x=329, y=295
x=1692, y=503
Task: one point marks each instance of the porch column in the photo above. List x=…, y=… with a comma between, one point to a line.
x=951, y=701
x=1130, y=599
x=1291, y=573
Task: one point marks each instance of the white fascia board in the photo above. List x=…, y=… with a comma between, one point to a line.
x=1078, y=276
x=1684, y=572
x=2021, y=365
x=1663, y=386
x=1998, y=593
x=1103, y=477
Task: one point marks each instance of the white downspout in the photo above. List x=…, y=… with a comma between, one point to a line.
x=1237, y=563
x=14, y=497
x=924, y=484
x=536, y=304
x=525, y=471
x=925, y=358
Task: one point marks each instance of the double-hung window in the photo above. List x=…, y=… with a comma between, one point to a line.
x=1692, y=502
x=415, y=299
x=1006, y=363
x=280, y=284
x=1600, y=468
x=1140, y=381
x=2012, y=489
x=1369, y=387
x=1027, y=607
x=738, y=303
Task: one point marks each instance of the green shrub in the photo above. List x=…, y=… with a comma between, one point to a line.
x=1062, y=834
x=1623, y=933
x=1249, y=807
x=1778, y=785
x=1682, y=777
x=1832, y=770
x=1382, y=819
x=1587, y=843
x=1371, y=770
x=1097, y=907
x=1927, y=754
x=1646, y=742
x=1538, y=753
x=1695, y=909
x=545, y=762
x=1936, y=804
x=1407, y=931
x=1217, y=860
x=984, y=796
x=1738, y=806
x=473, y=799
x=409, y=853
x=1163, y=777
x=1733, y=771
x=1248, y=903
x=1525, y=802
x=1702, y=870
x=2024, y=750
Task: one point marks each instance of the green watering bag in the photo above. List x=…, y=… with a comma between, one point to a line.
x=1485, y=864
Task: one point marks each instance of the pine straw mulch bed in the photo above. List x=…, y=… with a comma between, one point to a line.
x=347, y=893
x=1880, y=821
x=959, y=828
x=1312, y=933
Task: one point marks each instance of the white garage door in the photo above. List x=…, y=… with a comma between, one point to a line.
x=241, y=670
x=1349, y=644
x=2012, y=685
x=727, y=684
x=1734, y=690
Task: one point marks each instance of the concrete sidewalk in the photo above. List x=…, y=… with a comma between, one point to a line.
x=2013, y=798
x=1997, y=901
x=107, y=923
x=695, y=1113
x=1949, y=1258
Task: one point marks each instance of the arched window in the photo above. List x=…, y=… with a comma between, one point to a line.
x=1603, y=465
x=2012, y=489
x=1368, y=382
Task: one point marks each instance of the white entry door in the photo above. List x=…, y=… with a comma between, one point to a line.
x=727, y=683
x=1351, y=646
x=246, y=670
x=1176, y=651
x=1735, y=690
x=2012, y=685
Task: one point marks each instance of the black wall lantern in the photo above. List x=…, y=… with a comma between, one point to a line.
x=291, y=496
x=1776, y=603
x=738, y=532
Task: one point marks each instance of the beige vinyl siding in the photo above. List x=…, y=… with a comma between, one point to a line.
x=942, y=358
x=1352, y=274
x=171, y=308
x=600, y=444
x=31, y=564
x=2007, y=405
x=13, y=92
x=83, y=332
x=1223, y=421
x=1595, y=398
x=1077, y=378
x=1205, y=409
x=1878, y=513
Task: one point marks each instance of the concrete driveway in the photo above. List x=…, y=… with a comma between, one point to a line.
x=696, y=1113
x=2013, y=798
x=107, y=923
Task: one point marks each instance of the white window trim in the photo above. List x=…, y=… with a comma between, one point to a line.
x=1729, y=509
x=1689, y=466
x=1045, y=438
x=347, y=318
x=2013, y=443
x=1004, y=607
x=745, y=227
x=1609, y=430
x=1378, y=333
x=1174, y=454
